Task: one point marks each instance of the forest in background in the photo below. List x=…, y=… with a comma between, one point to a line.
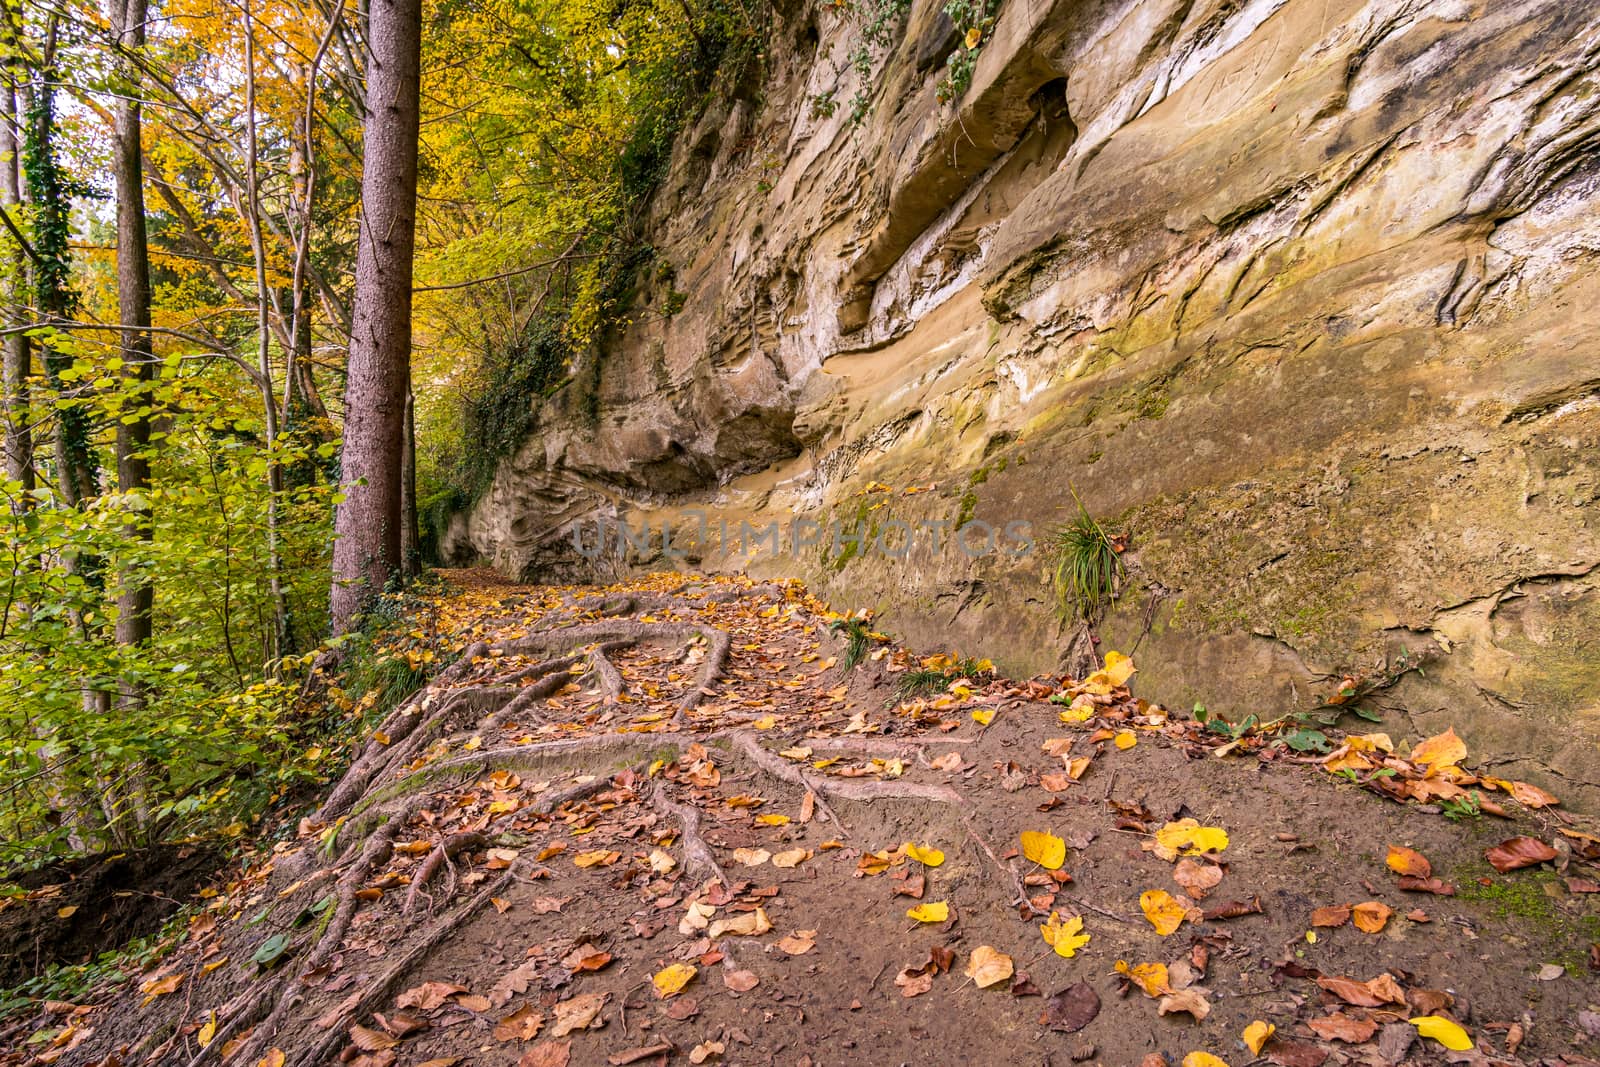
x=182, y=195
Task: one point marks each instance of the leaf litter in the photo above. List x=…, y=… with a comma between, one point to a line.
x=714, y=901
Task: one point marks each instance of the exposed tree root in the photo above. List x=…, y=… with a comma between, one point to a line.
x=782, y=769
x=446, y=851
x=698, y=858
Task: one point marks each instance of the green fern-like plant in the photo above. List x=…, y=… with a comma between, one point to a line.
x=1087, y=566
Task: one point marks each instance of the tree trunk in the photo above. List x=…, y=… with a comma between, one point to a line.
x=18, y=356
x=136, y=596
x=366, y=548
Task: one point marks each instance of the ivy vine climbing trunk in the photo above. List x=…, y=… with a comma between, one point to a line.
x=366, y=548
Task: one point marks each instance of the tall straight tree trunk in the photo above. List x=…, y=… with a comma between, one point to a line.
x=135, y=597
x=366, y=547
x=17, y=354
x=135, y=594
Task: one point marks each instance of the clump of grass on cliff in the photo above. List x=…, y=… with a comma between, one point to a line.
x=1087, y=566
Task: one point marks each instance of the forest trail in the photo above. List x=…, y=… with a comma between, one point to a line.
x=662, y=822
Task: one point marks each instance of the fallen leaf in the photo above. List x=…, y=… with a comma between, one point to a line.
x=913, y=983
x=1331, y=917
x=1188, y=837
x=1192, y=1000
x=1163, y=910
x=1044, y=848
x=988, y=966
x=579, y=1013
x=1150, y=977
x=367, y=1039
x=523, y=1024
x=1066, y=936
x=740, y=981
x=1409, y=862
x=799, y=943
x=1532, y=796
x=1197, y=879
x=791, y=857
x=1371, y=917
x=745, y=924
x=1444, y=1031
x=1517, y=852
x=1203, y=1059
x=1125, y=739
x=598, y=858
x=1442, y=750
x=1373, y=993
x=1342, y=1027
x=500, y=858
x=983, y=716
x=751, y=857
x=1071, y=1010
x=1255, y=1035
x=669, y=981
x=547, y=1054
x=933, y=911
x=928, y=857
x=773, y=819
x=705, y=1050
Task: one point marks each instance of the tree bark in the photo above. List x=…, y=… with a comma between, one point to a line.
x=136, y=596
x=18, y=355
x=366, y=548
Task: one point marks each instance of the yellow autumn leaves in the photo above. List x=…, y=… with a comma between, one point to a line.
x=1066, y=936
x=1044, y=848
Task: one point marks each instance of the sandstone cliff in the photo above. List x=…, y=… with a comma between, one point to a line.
x=1299, y=293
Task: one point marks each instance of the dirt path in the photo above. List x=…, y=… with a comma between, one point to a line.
x=663, y=823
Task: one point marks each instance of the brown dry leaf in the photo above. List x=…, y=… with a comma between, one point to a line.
x=1409, y=862
x=1517, y=852
x=159, y=987
x=799, y=943
x=1374, y=993
x=547, y=1054
x=367, y=1039
x=913, y=982
x=1071, y=1010
x=1342, y=1027
x=705, y=1050
x=600, y=857
x=585, y=958
x=740, y=981
x=808, y=806
x=1285, y=1053
x=1331, y=917
x=1427, y=885
x=1192, y=1000
x=988, y=966
x=501, y=858
x=634, y=1055
x=1371, y=917
x=1532, y=796
x=745, y=924
x=474, y=1003
x=791, y=857
x=515, y=981
x=582, y=1012
x=523, y=1024
x=1197, y=879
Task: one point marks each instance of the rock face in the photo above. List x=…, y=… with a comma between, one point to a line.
x=1300, y=294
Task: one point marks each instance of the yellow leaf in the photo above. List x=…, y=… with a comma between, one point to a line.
x=1125, y=740
x=1203, y=1059
x=988, y=966
x=928, y=857
x=1117, y=671
x=1256, y=1034
x=1083, y=714
x=669, y=981
x=772, y=820
x=766, y=722
x=1189, y=837
x=273, y=1058
x=655, y=768
x=1371, y=917
x=67, y=912
x=1162, y=909
x=1443, y=1031
x=1440, y=751
x=208, y=1031
x=1150, y=977
x=935, y=911
x=984, y=716
x=1044, y=848
x=598, y=858
x=1066, y=936
x=974, y=36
